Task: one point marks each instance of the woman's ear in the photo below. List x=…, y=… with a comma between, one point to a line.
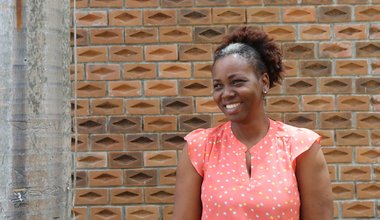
x=265, y=82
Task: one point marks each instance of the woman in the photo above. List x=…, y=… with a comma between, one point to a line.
x=251, y=167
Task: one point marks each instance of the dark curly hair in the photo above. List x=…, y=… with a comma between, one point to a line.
x=257, y=48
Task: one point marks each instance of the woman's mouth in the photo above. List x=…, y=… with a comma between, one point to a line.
x=231, y=108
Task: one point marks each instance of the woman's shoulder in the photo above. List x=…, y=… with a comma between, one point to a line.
x=291, y=130
x=207, y=133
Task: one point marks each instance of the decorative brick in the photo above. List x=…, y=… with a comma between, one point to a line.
x=282, y=104
x=176, y=34
x=106, y=3
x=125, y=124
x=219, y=119
x=204, y=105
x=159, y=195
x=318, y=103
x=199, y=87
x=91, y=125
x=338, y=155
x=161, y=52
x=375, y=65
x=303, y=120
x=368, y=190
x=353, y=2
x=354, y=32
x=291, y=67
x=280, y=2
x=92, y=160
x=210, y=2
x=376, y=171
x=228, y=15
x=139, y=71
x=140, y=177
x=367, y=13
x=143, y=106
x=82, y=37
x=244, y=2
x=275, y=116
x=351, y=67
x=106, y=213
x=315, y=68
x=352, y=137
x=103, y=72
x=173, y=141
x=368, y=120
x=174, y=70
x=79, y=3
x=160, y=158
x=355, y=173
x=91, y=197
x=331, y=14
x=91, y=18
x=107, y=142
x=332, y=172
x=107, y=36
x=107, y=106
x=176, y=4
x=281, y=32
x=298, y=50
x=327, y=137
x=315, y=32
x=92, y=54
x=375, y=137
x=209, y=34
x=125, y=159
x=177, y=105
x=81, y=178
x=160, y=88
x=160, y=17
x=79, y=213
x=368, y=85
x=125, y=17
x=367, y=155
x=331, y=120
x=299, y=14
x=141, y=35
x=343, y=190
x=300, y=85
x=142, y=142
x=194, y=16
x=169, y=209
x=193, y=52
x=126, y=53
x=125, y=88
x=167, y=176
x=192, y=122
x=357, y=209
x=353, y=102
x=367, y=49
x=91, y=89
x=374, y=31
x=126, y=196
x=82, y=143
x=82, y=107
x=145, y=212
x=203, y=70
x=80, y=72
x=160, y=123
x=141, y=3
x=335, y=50
x=263, y=15
x=335, y=85
x=105, y=178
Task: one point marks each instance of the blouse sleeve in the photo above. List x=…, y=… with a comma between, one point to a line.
x=302, y=140
x=196, y=142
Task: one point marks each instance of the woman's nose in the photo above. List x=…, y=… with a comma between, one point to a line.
x=228, y=92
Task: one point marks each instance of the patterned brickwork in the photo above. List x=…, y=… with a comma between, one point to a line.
x=144, y=82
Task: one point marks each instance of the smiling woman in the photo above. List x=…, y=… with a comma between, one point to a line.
x=251, y=167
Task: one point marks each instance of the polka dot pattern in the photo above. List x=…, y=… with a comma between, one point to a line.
x=228, y=192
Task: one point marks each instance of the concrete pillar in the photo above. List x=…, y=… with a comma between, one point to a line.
x=35, y=160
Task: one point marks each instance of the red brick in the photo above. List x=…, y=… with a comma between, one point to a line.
x=140, y=177
x=351, y=67
x=299, y=14
x=125, y=159
x=139, y=71
x=315, y=68
x=352, y=137
x=374, y=31
x=291, y=67
x=107, y=106
x=79, y=213
x=141, y=3
x=126, y=53
x=107, y=36
x=125, y=88
x=100, y=178
x=209, y=34
x=344, y=32
x=144, y=212
x=82, y=143
x=357, y=209
x=81, y=179
x=192, y=52
x=82, y=37
x=160, y=17
x=283, y=104
x=92, y=160
x=160, y=88
x=161, y=52
x=143, y=106
x=368, y=190
x=176, y=34
x=331, y=120
x=167, y=176
x=332, y=172
x=329, y=14
x=106, y=213
x=174, y=70
x=125, y=124
x=200, y=87
x=244, y=2
x=172, y=141
x=160, y=158
x=103, y=72
x=79, y=3
x=210, y=2
x=355, y=173
x=142, y=142
x=228, y=15
x=367, y=49
x=376, y=102
x=335, y=85
x=92, y=54
x=91, y=18
x=353, y=2
x=343, y=191
x=91, y=197
x=80, y=72
x=169, y=209
x=91, y=125
x=106, y=3
x=263, y=15
x=367, y=13
x=107, y=142
x=192, y=122
x=126, y=196
x=318, y=2
x=194, y=16
x=375, y=137
x=303, y=120
x=176, y=4
x=315, y=32
x=281, y=32
x=327, y=137
x=205, y=104
x=177, y=105
x=298, y=50
x=141, y=35
x=125, y=17
x=82, y=107
x=218, y=119
x=160, y=123
x=300, y=85
x=202, y=70
x=367, y=155
x=318, y=103
x=335, y=50
x=353, y=102
x=368, y=120
x=159, y=195
x=338, y=155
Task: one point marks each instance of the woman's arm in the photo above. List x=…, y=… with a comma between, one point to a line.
x=187, y=204
x=314, y=185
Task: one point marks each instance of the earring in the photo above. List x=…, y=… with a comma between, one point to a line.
x=265, y=91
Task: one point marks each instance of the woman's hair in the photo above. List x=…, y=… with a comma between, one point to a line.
x=257, y=49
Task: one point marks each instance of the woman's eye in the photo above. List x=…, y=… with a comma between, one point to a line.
x=217, y=86
x=238, y=82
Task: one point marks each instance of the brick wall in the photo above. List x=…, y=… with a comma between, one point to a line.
x=144, y=82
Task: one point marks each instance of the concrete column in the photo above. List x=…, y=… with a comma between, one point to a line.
x=35, y=160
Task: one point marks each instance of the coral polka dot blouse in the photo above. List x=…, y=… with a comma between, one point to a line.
x=228, y=192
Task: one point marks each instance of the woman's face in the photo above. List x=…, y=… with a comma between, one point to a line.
x=238, y=90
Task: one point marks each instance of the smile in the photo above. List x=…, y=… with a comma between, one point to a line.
x=231, y=106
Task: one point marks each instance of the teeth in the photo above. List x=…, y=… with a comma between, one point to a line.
x=232, y=105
